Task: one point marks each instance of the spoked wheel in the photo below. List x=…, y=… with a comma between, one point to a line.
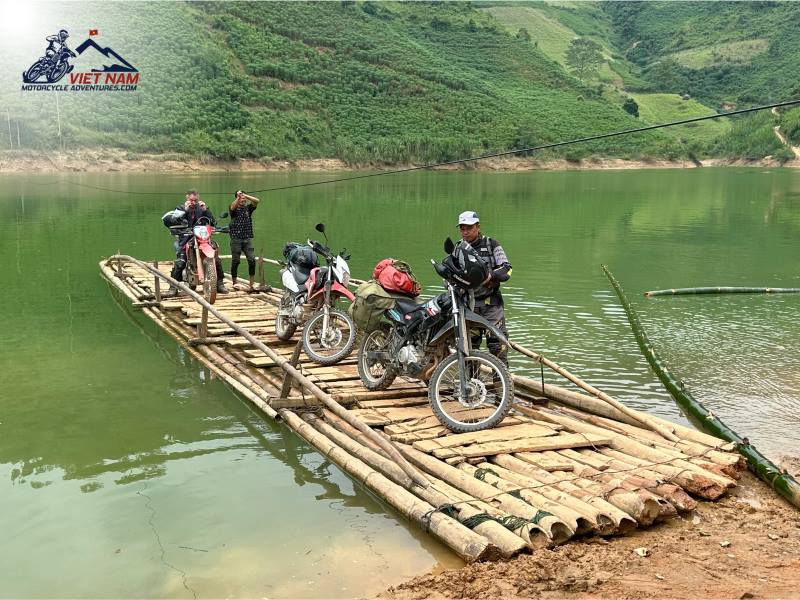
x=58, y=72
x=36, y=71
x=488, y=393
x=375, y=373
x=210, y=280
x=284, y=328
x=332, y=345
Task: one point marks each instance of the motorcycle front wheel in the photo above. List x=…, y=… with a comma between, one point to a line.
x=331, y=346
x=489, y=393
x=210, y=279
x=284, y=328
x=375, y=374
x=58, y=72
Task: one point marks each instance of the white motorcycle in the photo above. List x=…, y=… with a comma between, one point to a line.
x=310, y=296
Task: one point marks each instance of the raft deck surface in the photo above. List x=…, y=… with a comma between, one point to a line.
x=549, y=472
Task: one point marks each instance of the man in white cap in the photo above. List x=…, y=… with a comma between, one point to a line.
x=488, y=299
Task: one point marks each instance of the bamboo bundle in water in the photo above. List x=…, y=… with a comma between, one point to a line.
x=721, y=290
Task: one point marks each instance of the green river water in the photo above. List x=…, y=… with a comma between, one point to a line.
x=125, y=471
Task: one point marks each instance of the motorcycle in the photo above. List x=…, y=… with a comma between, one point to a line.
x=52, y=67
x=201, y=255
x=468, y=390
x=329, y=333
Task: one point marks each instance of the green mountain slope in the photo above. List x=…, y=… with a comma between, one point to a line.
x=366, y=82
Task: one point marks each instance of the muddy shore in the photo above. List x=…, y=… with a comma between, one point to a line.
x=746, y=545
x=111, y=160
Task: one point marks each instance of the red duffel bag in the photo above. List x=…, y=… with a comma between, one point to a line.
x=396, y=276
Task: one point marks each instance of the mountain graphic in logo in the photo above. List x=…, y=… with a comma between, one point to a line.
x=117, y=64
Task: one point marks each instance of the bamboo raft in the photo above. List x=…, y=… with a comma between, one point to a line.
x=560, y=466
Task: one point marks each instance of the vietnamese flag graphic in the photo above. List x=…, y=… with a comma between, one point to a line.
x=94, y=32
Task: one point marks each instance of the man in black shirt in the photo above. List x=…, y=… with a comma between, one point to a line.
x=488, y=299
x=241, y=230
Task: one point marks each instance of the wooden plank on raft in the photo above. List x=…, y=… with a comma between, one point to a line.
x=487, y=435
x=557, y=442
x=548, y=461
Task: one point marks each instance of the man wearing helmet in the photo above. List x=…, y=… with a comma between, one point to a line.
x=57, y=43
x=488, y=299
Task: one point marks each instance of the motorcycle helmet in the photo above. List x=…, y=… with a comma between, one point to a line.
x=63, y=35
x=174, y=218
x=466, y=267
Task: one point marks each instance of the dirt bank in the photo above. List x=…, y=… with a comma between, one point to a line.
x=744, y=546
x=110, y=161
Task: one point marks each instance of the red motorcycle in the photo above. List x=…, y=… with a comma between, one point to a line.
x=201, y=255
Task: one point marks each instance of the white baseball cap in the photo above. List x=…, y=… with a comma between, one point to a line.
x=469, y=217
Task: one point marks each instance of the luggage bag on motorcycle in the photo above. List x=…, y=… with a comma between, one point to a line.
x=370, y=303
x=396, y=276
x=301, y=255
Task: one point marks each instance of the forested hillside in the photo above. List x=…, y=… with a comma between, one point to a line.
x=381, y=82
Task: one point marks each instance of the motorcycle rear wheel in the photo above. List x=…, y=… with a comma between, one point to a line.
x=374, y=374
x=35, y=71
x=341, y=334
x=490, y=393
x=284, y=328
x=210, y=280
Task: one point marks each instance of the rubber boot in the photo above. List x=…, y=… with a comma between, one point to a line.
x=221, y=289
x=173, y=290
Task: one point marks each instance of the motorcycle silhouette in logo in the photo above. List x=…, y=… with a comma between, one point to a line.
x=55, y=62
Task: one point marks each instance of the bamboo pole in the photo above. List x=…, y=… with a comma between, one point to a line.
x=315, y=390
x=635, y=477
x=720, y=290
x=600, y=408
x=692, y=478
x=576, y=521
x=286, y=388
x=786, y=485
x=599, y=521
x=466, y=543
x=645, y=420
x=553, y=528
x=508, y=543
x=623, y=520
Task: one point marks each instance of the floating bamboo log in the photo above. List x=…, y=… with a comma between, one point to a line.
x=721, y=290
x=782, y=482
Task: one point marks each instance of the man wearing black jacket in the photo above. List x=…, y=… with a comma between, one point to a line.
x=488, y=299
x=191, y=211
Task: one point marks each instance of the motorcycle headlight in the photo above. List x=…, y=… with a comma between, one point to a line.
x=202, y=232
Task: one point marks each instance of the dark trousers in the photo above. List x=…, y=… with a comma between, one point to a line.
x=237, y=247
x=497, y=317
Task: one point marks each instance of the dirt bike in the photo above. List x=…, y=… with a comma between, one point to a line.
x=200, y=253
x=309, y=299
x=52, y=67
x=468, y=390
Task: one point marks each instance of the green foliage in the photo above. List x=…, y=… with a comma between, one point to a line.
x=584, y=57
x=790, y=125
x=752, y=136
x=630, y=107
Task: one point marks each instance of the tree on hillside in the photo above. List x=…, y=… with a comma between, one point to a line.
x=584, y=57
x=523, y=34
x=667, y=75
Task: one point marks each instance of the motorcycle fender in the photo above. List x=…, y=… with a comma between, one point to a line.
x=340, y=289
x=472, y=317
x=207, y=249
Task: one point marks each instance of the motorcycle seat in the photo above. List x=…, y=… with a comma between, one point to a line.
x=319, y=280
x=407, y=306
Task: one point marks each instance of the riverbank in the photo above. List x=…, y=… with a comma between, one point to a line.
x=746, y=545
x=111, y=161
